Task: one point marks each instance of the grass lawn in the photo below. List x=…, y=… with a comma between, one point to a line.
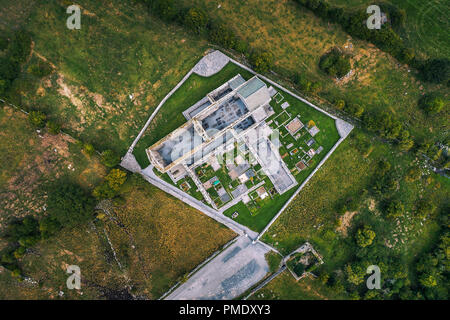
x=426, y=28
x=263, y=215
x=284, y=287
x=29, y=161
x=119, y=51
x=297, y=39
x=170, y=115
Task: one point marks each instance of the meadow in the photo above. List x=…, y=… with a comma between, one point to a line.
x=297, y=39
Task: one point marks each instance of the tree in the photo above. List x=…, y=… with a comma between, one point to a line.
x=413, y=174
x=262, y=61
x=432, y=103
x=110, y=158
x=428, y=280
x=436, y=70
x=424, y=208
x=48, y=226
x=37, y=119
x=165, y=9
x=394, y=209
x=53, y=127
x=116, y=178
x=355, y=274
x=196, y=19
x=340, y=104
x=219, y=33
x=69, y=204
x=335, y=63
x=365, y=236
x=89, y=149
x=110, y=188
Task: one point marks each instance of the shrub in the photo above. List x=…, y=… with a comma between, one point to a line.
x=53, y=127
x=340, y=104
x=116, y=178
x=89, y=149
x=37, y=119
x=220, y=34
x=365, y=236
x=413, y=174
x=335, y=63
x=69, y=204
x=394, y=209
x=424, y=208
x=354, y=109
x=431, y=103
x=110, y=158
x=436, y=70
x=165, y=9
x=196, y=19
x=41, y=69
x=262, y=61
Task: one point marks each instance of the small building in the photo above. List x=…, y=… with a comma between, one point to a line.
x=300, y=165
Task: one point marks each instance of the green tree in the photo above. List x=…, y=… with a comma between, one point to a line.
x=436, y=70
x=340, y=104
x=69, y=204
x=89, y=149
x=432, y=103
x=424, y=208
x=355, y=273
x=116, y=178
x=365, y=236
x=262, y=61
x=53, y=127
x=335, y=63
x=37, y=118
x=395, y=208
x=196, y=19
x=110, y=158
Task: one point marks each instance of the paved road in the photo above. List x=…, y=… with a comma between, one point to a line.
x=228, y=275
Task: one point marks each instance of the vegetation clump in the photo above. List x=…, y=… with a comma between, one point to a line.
x=335, y=63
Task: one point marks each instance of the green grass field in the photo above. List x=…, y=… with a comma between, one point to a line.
x=119, y=51
x=426, y=28
x=298, y=39
x=284, y=287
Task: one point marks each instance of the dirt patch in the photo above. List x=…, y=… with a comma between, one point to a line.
x=372, y=205
x=346, y=221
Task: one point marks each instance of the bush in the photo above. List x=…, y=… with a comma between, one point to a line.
x=220, y=34
x=41, y=69
x=262, y=61
x=424, y=208
x=165, y=9
x=394, y=209
x=432, y=103
x=335, y=63
x=365, y=236
x=111, y=187
x=37, y=119
x=110, y=158
x=436, y=70
x=53, y=127
x=354, y=109
x=340, y=104
x=69, y=204
x=89, y=149
x=196, y=20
